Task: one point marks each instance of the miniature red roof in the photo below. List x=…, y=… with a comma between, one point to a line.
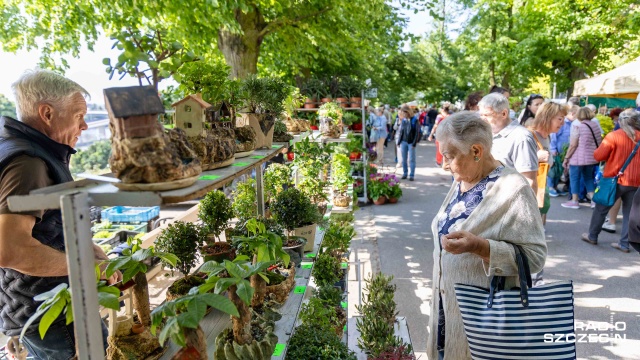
x=197, y=98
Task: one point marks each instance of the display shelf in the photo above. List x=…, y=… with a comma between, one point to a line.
x=317, y=137
x=343, y=108
x=106, y=194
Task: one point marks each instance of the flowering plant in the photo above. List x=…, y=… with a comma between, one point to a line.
x=395, y=192
x=381, y=185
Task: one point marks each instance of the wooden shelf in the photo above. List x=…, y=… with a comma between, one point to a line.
x=106, y=194
x=344, y=109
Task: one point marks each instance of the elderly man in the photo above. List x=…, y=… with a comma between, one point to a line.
x=513, y=144
x=34, y=153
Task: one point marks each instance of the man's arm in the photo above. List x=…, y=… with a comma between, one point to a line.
x=532, y=178
x=21, y=252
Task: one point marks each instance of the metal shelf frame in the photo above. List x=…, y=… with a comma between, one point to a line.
x=74, y=200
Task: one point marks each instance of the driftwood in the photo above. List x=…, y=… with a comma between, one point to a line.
x=217, y=146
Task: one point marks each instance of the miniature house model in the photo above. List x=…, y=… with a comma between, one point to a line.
x=220, y=116
x=191, y=115
x=134, y=111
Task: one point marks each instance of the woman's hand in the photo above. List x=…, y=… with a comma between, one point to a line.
x=430, y=138
x=543, y=156
x=565, y=163
x=460, y=242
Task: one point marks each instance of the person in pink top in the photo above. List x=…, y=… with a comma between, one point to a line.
x=579, y=159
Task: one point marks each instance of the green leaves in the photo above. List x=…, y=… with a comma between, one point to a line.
x=54, y=303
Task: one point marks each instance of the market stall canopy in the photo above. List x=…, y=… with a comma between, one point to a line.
x=621, y=82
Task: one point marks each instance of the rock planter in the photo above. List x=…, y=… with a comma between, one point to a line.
x=281, y=291
x=218, y=252
x=182, y=286
x=295, y=251
x=342, y=201
x=226, y=348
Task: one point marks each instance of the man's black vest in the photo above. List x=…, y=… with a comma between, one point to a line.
x=16, y=289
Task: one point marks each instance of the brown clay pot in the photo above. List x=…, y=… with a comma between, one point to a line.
x=310, y=103
x=344, y=102
x=393, y=200
x=325, y=100
x=381, y=200
x=356, y=102
x=137, y=328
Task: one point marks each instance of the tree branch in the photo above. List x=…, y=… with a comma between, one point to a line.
x=281, y=22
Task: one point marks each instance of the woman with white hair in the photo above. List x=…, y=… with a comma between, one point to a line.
x=616, y=148
x=488, y=208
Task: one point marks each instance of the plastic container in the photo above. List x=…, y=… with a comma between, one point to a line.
x=130, y=214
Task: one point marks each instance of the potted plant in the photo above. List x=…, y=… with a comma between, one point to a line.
x=323, y=315
x=277, y=177
x=262, y=246
x=263, y=101
x=349, y=118
x=246, y=339
x=311, y=342
x=297, y=214
x=183, y=318
x=330, y=115
x=354, y=146
x=353, y=88
x=310, y=160
x=377, y=189
x=337, y=238
x=280, y=134
x=312, y=89
x=395, y=193
x=342, y=94
x=215, y=213
x=341, y=179
x=182, y=239
x=245, y=200
x=327, y=271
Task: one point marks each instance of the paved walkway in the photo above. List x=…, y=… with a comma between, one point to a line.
x=396, y=239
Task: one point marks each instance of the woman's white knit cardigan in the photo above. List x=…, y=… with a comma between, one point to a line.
x=507, y=214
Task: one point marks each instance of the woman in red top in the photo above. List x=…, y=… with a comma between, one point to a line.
x=615, y=149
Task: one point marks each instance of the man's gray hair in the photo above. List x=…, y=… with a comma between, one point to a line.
x=464, y=129
x=629, y=121
x=497, y=102
x=39, y=86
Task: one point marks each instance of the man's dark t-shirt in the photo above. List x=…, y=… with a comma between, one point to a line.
x=22, y=175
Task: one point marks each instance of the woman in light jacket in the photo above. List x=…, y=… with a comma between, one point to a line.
x=379, y=133
x=488, y=208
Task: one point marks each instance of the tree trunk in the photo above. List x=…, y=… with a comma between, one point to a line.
x=141, y=299
x=260, y=287
x=241, y=50
x=196, y=348
x=242, y=324
x=492, y=64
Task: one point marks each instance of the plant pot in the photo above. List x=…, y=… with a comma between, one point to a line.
x=322, y=208
x=290, y=156
x=226, y=348
x=355, y=156
x=137, y=328
x=310, y=103
x=218, y=252
x=325, y=100
x=263, y=138
x=342, y=285
x=356, y=102
x=342, y=201
x=182, y=286
x=344, y=102
x=309, y=233
x=357, y=126
x=281, y=291
x=393, y=200
x=123, y=325
x=314, y=127
x=296, y=252
x=381, y=200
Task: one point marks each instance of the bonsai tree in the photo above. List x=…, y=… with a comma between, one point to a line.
x=232, y=276
x=262, y=246
x=215, y=212
x=337, y=238
x=293, y=209
x=310, y=342
x=326, y=270
x=132, y=264
x=341, y=172
x=245, y=201
x=183, y=317
x=277, y=177
x=323, y=315
x=310, y=160
x=183, y=240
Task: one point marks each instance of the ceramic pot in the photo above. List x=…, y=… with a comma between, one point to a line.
x=296, y=252
x=344, y=102
x=357, y=126
x=325, y=100
x=381, y=200
x=356, y=102
x=393, y=200
x=310, y=103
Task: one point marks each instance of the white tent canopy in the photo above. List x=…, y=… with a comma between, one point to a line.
x=621, y=80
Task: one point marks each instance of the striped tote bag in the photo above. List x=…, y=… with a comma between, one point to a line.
x=522, y=323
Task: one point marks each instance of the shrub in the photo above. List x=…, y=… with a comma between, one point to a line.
x=326, y=270
x=310, y=342
x=320, y=314
x=292, y=209
x=215, y=212
x=183, y=240
x=245, y=200
x=276, y=178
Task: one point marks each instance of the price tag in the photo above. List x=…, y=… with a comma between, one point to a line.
x=278, y=350
x=209, y=177
x=240, y=164
x=275, y=146
x=258, y=157
x=344, y=265
x=299, y=289
x=344, y=328
x=310, y=255
x=343, y=304
x=306, y=265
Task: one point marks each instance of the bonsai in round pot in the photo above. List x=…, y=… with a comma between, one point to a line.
x=183, y=239
x=341, y=178
x=297, y=214
x=215, y=213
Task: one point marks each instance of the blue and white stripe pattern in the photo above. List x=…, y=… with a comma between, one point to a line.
x=508, y=330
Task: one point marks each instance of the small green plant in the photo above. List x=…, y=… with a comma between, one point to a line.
x=293, y=209
x=329, y=294
x=606, y=123
x=337, y=237
x=402, y=352
x=355, y=143
x=181, y=239
x=377, y=188
x=277, y=177
x=331, y=110
x=395, y=191
x=322, y=315
x=215, y=212
x=349, y=118
x=326, y=270
x=310, y=342
x=265, y=245
x=104, y=234
x=245, y=201
x=341, y=172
